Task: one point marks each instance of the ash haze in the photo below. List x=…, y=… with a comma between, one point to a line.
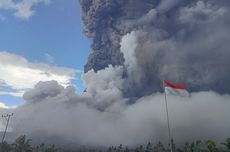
x=135, y=45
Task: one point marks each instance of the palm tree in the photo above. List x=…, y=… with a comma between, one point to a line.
x=120, y=148
x=211, y=145
x=227, y=144
x=22, y=144
x=51, y=149
x=148, y=147
x=159, y=147
x=126, y=149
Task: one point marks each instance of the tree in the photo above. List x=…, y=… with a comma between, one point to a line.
x=148, y=147
x=51, y=149
x=110, y=149
x=186, y=147
x=173, y=146
x=5, y=147
x=211, y=145
x=126, y=149
x=159, y=147
x=119, y=149
x=196, y=146
x=22, y=144
x=199, y=146
x=227, y=144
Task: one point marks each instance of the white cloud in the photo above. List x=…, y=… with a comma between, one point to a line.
x=19, y=74
x=3, y=106
x=23, y=8
x=16, y=94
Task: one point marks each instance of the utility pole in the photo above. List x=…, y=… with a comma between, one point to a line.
x=7, y=117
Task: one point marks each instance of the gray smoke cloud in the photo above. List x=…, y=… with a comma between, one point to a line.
x=103, y=116
x=66, y=119
x=177, y=40
x=137, y=44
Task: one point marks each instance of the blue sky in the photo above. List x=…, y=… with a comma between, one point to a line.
x=48, y=36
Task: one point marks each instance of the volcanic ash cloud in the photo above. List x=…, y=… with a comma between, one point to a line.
x=137, y=44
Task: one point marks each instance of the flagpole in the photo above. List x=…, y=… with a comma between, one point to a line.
x=167, y=113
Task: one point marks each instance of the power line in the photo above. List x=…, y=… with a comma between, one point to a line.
x=7, y=117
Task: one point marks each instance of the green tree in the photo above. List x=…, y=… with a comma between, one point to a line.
x=120, y=148
x=186, y=147
x=110, y=149
x=5, y=147
x=51, y=149
x=227, y=144
x=22, y=144
x=159, y=147
x=173, y=146
x=148, y=147
x=126, y=149
x=211, y=145
x=141, y=148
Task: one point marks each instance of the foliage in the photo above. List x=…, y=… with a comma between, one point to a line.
x=227, y=144
x=22, y=144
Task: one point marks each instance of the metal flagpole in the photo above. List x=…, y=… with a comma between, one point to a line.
x=167, y=113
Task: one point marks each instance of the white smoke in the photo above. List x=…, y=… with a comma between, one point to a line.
x=203, y=116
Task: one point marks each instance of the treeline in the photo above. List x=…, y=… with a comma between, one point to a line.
x=22, y=144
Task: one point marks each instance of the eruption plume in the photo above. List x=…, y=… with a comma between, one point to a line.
x=135, y=45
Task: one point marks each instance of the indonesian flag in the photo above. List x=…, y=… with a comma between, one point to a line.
x=175, y=89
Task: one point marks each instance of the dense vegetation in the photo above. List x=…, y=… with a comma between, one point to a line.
x=22, y=144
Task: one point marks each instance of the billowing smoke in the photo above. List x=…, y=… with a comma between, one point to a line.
x=137, y=44
x=66, y=118
x=177, y=40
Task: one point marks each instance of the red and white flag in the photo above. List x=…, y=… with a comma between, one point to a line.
x=175, y=89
